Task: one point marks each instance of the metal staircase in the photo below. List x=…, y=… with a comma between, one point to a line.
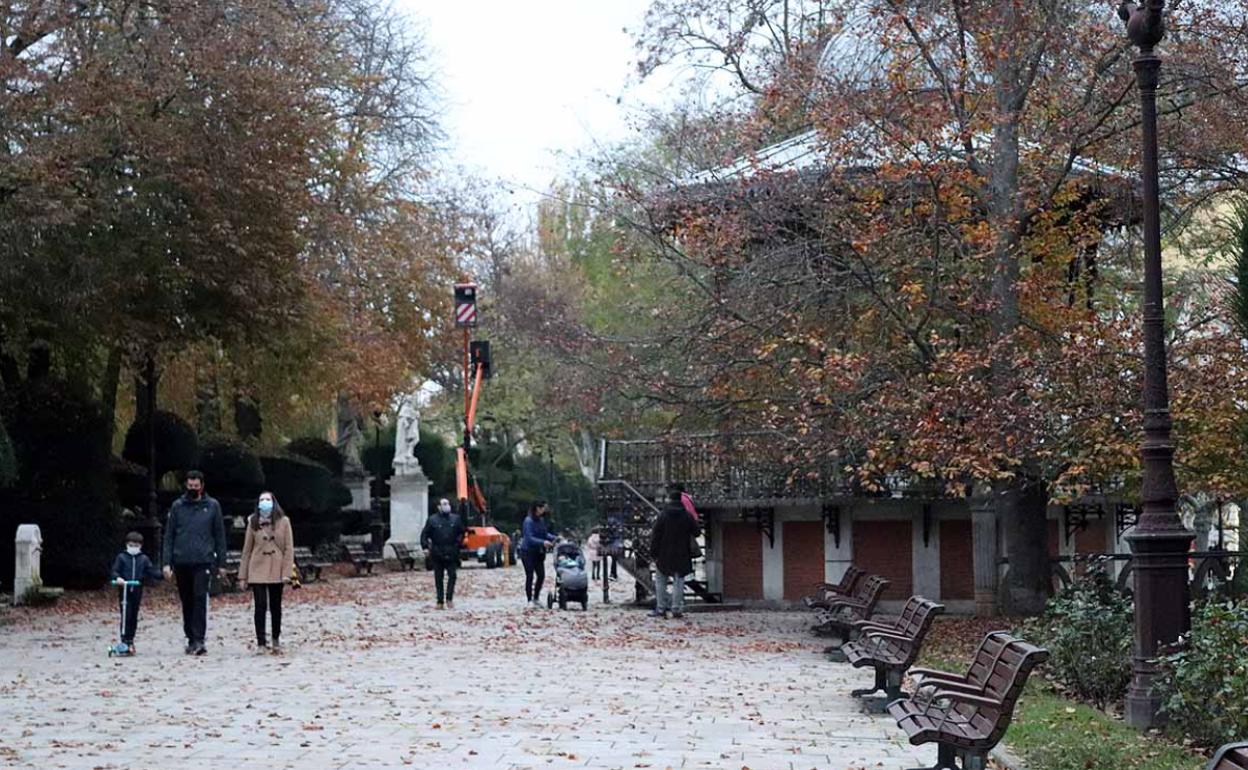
x=630, y=517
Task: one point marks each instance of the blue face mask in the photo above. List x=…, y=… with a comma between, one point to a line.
x=266, y=508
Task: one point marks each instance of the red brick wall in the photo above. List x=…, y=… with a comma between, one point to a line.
x=957, y=555
x=1090, y=540
x=743, y=561
x=803, y=557
x=884, y=548
x=1055, y=539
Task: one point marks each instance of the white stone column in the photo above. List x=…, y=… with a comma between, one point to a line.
x=361, y=497
x=984, y=543
x=409, y=507
x=28, y=544
x=838, y=557
x=925, y=559
x=773, y=562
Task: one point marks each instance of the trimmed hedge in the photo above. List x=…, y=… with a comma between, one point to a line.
x=318, y=450
x=65, y=485
x=1204, y=685
x=298, y=483
x=230, y=468
x=177, y=447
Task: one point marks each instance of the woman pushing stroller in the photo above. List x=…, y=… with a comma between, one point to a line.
x=535, y=541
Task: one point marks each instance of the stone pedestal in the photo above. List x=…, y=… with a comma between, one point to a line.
x=409, y=507
x=986, y=555
x=361, y=500
x=28, y=546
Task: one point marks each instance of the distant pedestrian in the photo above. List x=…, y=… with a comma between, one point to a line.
x=441, y=538
x=194, y=548
x=267, y=561
x=672, y=552
x=592, y=544
x=534, y=543
x=130, y=567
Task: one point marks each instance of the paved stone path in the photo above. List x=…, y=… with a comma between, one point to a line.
x=374, y=678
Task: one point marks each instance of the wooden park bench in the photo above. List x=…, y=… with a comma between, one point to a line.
x=990, y=649
x=361, y=558
x=838, y=618
x=232, y=560
x=406, y=555
x=309, y=565
x=1232, y=756
x=826, y=591
x=891, y=648
x=966, y=722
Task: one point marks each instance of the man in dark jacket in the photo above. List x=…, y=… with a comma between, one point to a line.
x=194, y=547
x=441, y=538
x=672, y=554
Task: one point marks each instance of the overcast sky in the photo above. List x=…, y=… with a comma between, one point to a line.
x=523, y=79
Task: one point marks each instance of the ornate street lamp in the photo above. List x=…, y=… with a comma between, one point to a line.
x=1159, y=542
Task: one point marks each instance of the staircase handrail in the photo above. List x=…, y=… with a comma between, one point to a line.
x=634, y=490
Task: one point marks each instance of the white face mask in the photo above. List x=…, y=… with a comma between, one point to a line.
x=134, y=550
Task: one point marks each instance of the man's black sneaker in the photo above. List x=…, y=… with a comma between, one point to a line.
x=190, y=648
x=200, y=649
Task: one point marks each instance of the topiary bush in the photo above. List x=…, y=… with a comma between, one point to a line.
x=1204, y=685
x=230, y=468
x=320, y=451
x=1088, y=631
x=177, y=446
x=298, y=483
x=60, y=441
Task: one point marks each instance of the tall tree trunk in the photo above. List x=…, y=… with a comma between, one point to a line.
x=207, y=402
x=108, y=391
x=1024, y=516
x=248, y=421
x=1026, y=585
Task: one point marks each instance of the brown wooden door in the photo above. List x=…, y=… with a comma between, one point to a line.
x=803, y=558
x=743, y=561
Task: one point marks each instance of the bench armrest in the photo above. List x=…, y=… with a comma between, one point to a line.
x=833, y=604
x=937, y=673
x=869, y=625
x=939, y=685
x=877, y=634
x=970, y=699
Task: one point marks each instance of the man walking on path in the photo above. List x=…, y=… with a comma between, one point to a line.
x=194, y=547
x=672, y=551
x=441, y=538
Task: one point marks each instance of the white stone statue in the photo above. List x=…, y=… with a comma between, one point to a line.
x=406, y=437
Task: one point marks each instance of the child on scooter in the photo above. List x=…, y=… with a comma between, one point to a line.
x=130, y=570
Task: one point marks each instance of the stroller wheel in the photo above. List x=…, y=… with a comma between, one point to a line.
x=550, y=600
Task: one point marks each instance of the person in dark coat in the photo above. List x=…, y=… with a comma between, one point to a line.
x=194, y=549
x=441, y=538
x=671, y=551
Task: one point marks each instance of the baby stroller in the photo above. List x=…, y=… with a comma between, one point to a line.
x=571, y=582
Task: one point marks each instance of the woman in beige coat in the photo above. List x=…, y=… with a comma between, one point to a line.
x=267, y=562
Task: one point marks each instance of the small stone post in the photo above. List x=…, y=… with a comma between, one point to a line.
x=26, y=575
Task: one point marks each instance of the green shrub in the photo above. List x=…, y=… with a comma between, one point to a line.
x=1087, y=629
x=230, y=468
x=8, y=460
x=318, y=450
x=339, y=495
x=177, y=447
x=1204, y=685
x=65, y=485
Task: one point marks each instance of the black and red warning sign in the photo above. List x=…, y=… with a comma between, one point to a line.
x=465, y=305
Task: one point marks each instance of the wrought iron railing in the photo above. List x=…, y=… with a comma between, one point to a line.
x=724, y=467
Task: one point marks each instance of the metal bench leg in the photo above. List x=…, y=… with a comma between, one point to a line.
x=975, y=760
x=946, y=759
x=879, y=684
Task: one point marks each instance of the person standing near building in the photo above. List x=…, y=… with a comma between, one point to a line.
x=592, y=544
x=441, y=538
x=194, y=547
x=266, y=564
x=534, y=543
x=672, y=553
